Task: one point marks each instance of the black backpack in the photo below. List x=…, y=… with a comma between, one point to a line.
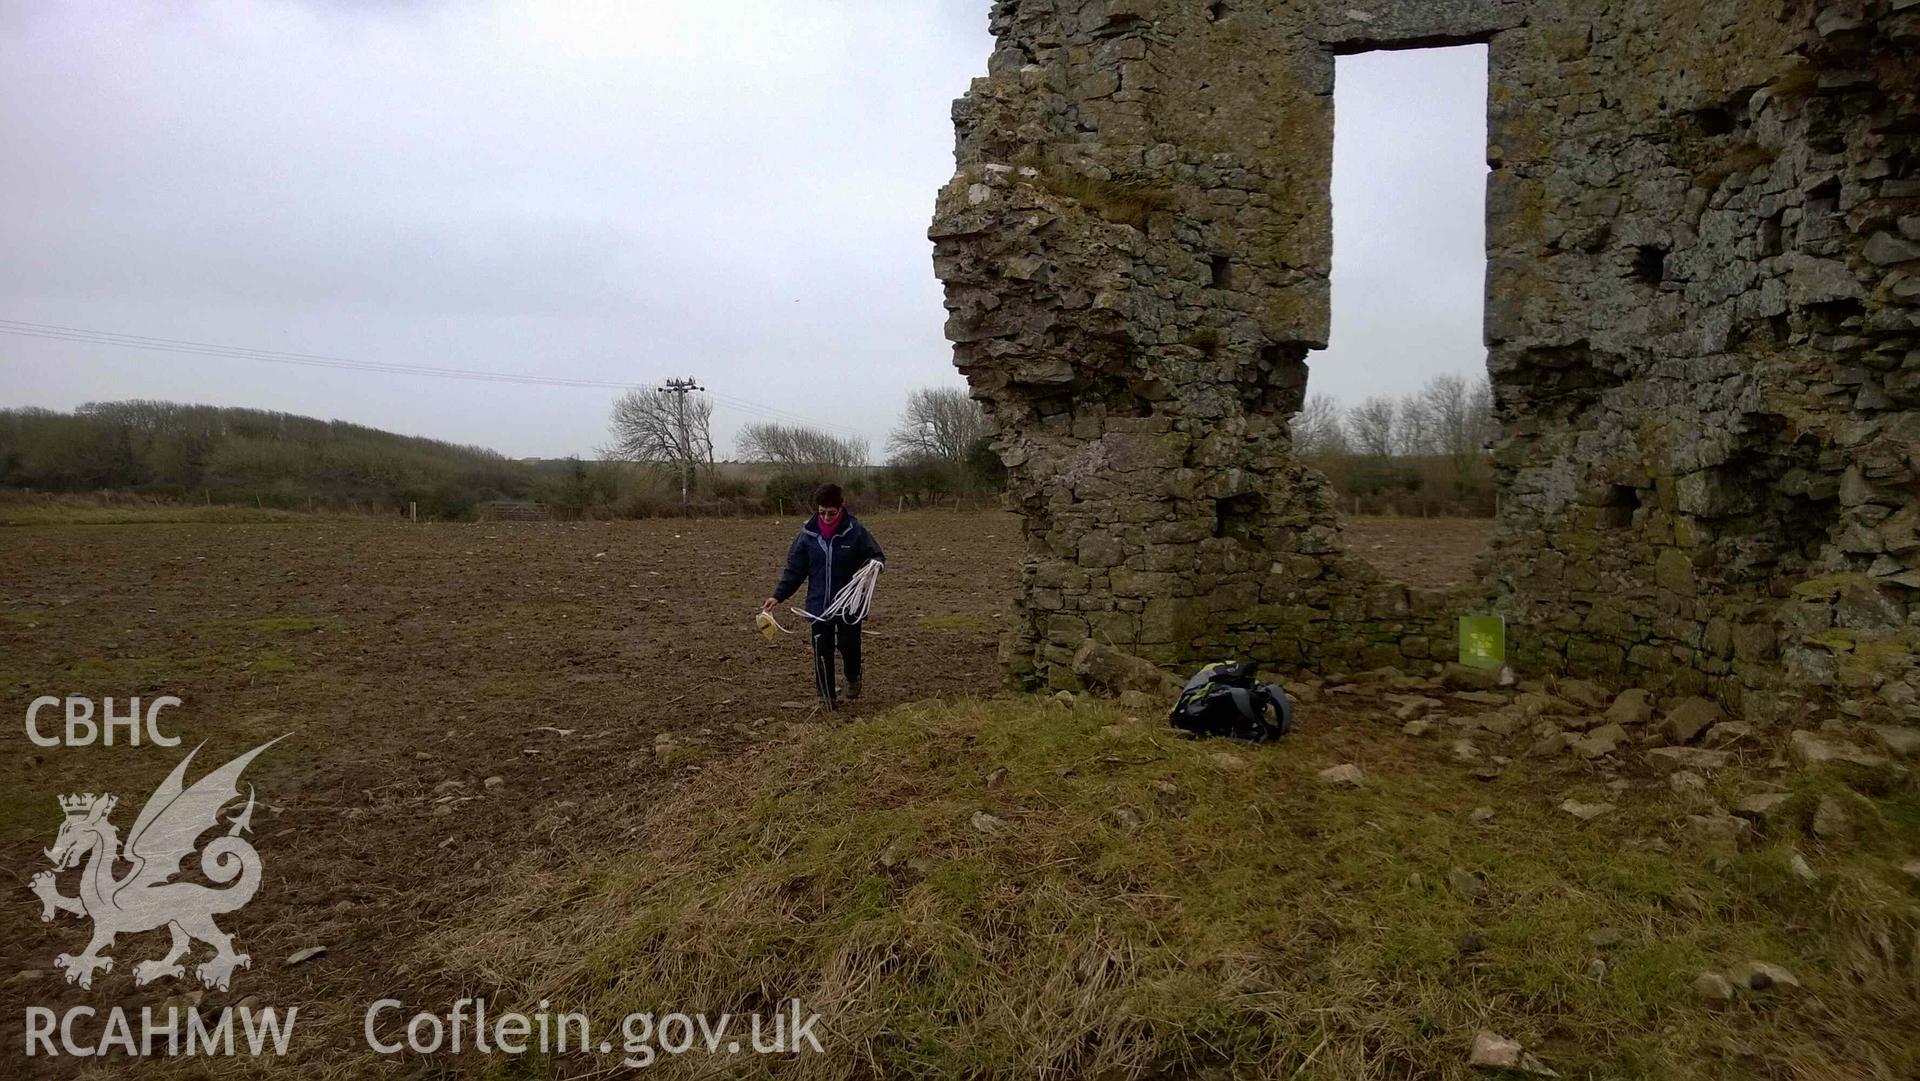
x=1222, y=699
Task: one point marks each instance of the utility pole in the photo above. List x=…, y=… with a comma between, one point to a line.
x=680, y=388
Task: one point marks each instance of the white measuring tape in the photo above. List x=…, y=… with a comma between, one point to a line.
x=854, y=598
x=851, y=603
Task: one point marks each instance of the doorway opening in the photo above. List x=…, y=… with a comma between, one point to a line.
x=1398, y=414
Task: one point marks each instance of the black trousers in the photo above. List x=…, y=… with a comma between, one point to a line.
x=827, y=634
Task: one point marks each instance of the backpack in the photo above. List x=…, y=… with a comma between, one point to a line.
x=1222, y=699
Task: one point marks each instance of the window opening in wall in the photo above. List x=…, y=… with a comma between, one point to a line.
x=1617, y=512
x=1399, y=410
x=1649, y=264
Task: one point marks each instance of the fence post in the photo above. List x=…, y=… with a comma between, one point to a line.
x=413, y=512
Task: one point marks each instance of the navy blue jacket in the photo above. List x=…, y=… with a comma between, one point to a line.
x=826, y=565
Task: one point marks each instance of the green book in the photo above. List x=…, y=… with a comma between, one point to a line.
x=1483, y=641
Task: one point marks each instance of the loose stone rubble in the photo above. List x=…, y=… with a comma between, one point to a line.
x=1702, y=317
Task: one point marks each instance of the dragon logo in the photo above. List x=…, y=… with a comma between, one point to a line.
x=143, y=899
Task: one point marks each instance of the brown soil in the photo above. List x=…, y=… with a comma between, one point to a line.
x=1430, y=552
x=401, y=658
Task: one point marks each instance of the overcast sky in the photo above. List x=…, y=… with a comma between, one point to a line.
x=734, y=190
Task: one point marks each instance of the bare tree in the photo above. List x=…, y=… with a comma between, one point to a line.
x=1412, y=433
x=1317, y=428
x=1459, y=417
x=793, y=444
x=940, y=423
x=664, y=428
x=1371, y=427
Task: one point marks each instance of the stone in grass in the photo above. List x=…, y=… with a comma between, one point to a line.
x=1831, y=822
x=1465, y=678
x=1803, y=870
x=1585, y=812
x=1480, y=816
x=301, y=957
x=1810, y=750
x=1898, y=739
x=1464, y=750
x=1581, y=692
x=1228, y=761
x=983, y=822
x=1713, y=987
x=1344, y=775
x=1685, y=783
x=1911, y=869
x=1763, y=807
x=1580, y=722
x=1727, y=734
x=1688, y=718
x=1631, y=707
x=1550, y=745
x=1719, y=829
x=1694, y=759
x=1760, y=976
x=1492, y=1051
x=1419, y=726
x=1600, y=742
x=1499, y=722
x=1468, y=884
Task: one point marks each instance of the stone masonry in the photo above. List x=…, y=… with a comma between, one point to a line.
x=1702, y=320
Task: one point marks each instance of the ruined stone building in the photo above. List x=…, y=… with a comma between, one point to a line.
x=1702, y=321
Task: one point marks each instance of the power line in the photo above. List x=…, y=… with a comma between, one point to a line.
x=83, y=336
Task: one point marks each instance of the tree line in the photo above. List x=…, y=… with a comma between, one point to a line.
x=173, y=452
x=223, y=455
x=937, y=450
x=1423, y=452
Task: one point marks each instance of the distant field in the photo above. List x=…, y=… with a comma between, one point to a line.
x=1430, y=552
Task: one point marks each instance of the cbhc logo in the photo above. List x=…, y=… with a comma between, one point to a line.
x=82, y=729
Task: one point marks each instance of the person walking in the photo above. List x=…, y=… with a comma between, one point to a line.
x=830, y=550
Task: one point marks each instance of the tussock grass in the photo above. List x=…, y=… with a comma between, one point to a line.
x=1234, y=921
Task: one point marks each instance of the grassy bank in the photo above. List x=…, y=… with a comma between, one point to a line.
x=1011, y=887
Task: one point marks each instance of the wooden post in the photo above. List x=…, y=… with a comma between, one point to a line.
x=901, y=506
x=413, y=512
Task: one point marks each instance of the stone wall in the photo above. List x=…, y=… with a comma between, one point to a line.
x=1703, y=323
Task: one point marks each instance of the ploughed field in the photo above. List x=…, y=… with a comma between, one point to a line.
x=1429, y=552
x=406, y=666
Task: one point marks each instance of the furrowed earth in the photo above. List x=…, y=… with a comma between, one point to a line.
x=547, y=761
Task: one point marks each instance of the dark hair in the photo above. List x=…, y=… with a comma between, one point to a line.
x=828, y=495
